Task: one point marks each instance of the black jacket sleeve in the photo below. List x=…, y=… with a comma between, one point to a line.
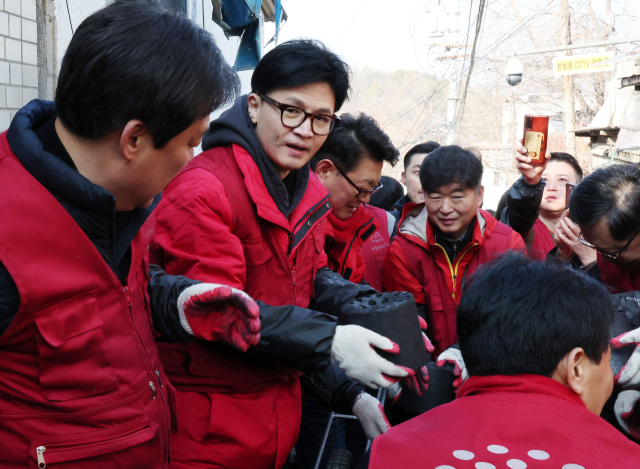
x=592, y=270
x=9, y=299
x=333, y=388
x=332, y=292
x=289, y=336
x=523, y=206
x=164, y=290
x=294, y=337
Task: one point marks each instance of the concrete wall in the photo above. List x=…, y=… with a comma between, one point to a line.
x=18, y=57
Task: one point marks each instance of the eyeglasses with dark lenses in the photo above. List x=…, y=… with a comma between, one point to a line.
x=361, y=192
x=583, y=241
x=292, y=117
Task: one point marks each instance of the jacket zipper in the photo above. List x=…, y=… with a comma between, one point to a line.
x=152, y=385
x=454, y=272
x=40, y=453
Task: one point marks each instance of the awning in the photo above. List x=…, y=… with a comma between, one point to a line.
x=244, y=18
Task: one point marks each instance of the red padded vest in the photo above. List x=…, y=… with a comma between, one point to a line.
x=79, y=369
x=375, y=249
x=440, y=302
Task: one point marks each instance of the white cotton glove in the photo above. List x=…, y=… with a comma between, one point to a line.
x=629, y=375
x=220, y=313
x=370, y=415
x=623, y=409
x=352, y=349
x=393, y=393
x=454, y=357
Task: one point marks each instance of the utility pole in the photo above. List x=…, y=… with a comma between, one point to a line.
x=568, y=99
x=451, y=110
x=452, y=100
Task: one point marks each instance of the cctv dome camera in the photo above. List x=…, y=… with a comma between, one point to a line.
x=513, y=72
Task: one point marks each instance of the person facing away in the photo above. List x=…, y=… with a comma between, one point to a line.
x=411, y=176
x=349, y=166
x=443, y=240
x=81, y=384
x=536, y=202
x=388, y=195
x=535, y=339
x=606, y=208
x=248, y=213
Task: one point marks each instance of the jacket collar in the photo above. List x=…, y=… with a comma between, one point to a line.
x=48, y=170
x=360, y=217
x=313, y=207
x=400, y=203
x=530, y=384
x=415, y=222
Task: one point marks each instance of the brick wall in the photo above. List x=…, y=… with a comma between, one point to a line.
x=18, y=57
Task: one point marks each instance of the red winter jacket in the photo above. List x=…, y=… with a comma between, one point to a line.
x=80, y=376
x=515, y=422
x=356, y=247
x=417, y=264
x=542, y=243
x=621, y=280
x=217, y=223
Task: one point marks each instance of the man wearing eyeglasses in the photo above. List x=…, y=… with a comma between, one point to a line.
x=349, y=165
x=248, y=213
x=606, y=207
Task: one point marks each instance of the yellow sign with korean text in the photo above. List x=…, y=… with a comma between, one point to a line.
x=581, y=64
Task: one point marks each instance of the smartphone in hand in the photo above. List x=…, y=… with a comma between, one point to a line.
x=535, y=137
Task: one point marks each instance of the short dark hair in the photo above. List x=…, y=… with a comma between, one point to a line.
x=570, y=160
x=612, y=192
x=302, y=62
x=451, y=164
x=356, y=137
x=520, y=316
x=390, y=193
x=134, y=60
x=426, y=147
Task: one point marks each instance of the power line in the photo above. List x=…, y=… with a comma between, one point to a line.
x=349, y=27
x=440, y=82
x=69, y=13
x=479, y=24
x=492, y=47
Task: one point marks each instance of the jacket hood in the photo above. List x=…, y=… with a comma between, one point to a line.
x=416, y=222
x=48, y=170
x=235, y=126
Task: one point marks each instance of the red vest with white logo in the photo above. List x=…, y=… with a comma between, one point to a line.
x=81, y=385
x=375, y=248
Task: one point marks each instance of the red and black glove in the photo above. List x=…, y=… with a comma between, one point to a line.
x=419, y=382
x=220, y=313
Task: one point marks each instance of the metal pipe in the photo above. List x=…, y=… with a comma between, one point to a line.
x=576, y=46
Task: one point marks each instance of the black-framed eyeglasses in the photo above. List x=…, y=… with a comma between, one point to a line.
x=292, y=117
x=615, y=256
x=361, y=192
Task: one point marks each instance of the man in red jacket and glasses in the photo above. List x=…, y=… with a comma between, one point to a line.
x=539, y=378
x=249, y=214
